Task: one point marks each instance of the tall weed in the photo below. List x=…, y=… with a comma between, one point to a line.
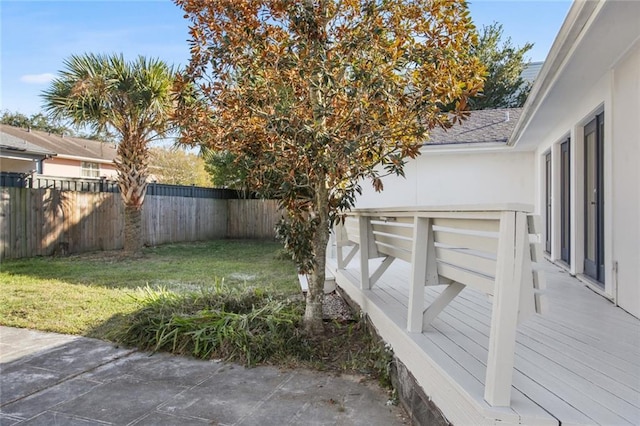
x=249, y=326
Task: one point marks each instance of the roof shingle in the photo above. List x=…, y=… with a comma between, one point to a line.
x=52, y=143
x=483, y=126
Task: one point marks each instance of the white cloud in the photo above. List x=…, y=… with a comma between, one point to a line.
x=37, y=78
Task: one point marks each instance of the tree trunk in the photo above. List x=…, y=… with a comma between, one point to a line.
x=315, y=295
x=132, y=181
x=132, y=229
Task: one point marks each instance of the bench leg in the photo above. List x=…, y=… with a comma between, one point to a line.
x=441, y=302
x=419, y=256
x=363, y=230
x=504, y=315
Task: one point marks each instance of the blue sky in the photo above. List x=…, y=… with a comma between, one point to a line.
x=36, y=36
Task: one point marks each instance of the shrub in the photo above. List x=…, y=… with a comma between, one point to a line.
x=250, y=326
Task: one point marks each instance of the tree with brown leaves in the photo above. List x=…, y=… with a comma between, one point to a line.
x=318, y=95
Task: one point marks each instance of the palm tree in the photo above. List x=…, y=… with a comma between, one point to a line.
x=132, y=100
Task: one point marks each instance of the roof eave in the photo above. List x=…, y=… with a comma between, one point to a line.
x=571, y=32
x=88, y=159
x=445, y=148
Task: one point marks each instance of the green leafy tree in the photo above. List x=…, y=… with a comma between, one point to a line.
x=132, y=100
x=504, y=86
x=317, y=95
x=175, y=166
x=102, y=135
x=226, y=169
x=38, y=121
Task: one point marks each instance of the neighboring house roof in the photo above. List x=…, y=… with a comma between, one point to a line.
x=62, y=146
x=11, y=146
x=489, y=126
x=531, y=71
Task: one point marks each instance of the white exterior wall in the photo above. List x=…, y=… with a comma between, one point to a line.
x=457, y=178
x=617, y=94
x=625, y=177
x=572, y=125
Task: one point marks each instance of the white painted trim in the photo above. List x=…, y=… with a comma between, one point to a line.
x=556, y=200
x=607, y=164
x=577, y=199
x=462, y=148
x=88, y=159
x=593, y=286
x=470, y=210
x=580, y=17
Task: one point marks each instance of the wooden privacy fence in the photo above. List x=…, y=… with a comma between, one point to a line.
x=42, y=222
x=488, y=248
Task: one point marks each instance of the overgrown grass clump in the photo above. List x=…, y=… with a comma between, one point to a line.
x=251, y=327
x=248, y=326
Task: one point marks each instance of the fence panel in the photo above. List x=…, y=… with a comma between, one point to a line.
x=172, y=219
x=254, y=219
x=22, y=180
x=43, y=222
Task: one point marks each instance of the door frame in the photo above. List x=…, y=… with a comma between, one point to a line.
x=593, y=202
x=565, y=201
x=548, y=196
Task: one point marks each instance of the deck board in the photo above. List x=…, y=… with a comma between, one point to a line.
x=580, y=362
x=447, y=355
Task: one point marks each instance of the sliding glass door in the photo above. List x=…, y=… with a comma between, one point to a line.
x=565, y=202
x=594, y=199
x=547, y=196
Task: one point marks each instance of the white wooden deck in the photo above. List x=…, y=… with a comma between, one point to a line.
x=578, y=363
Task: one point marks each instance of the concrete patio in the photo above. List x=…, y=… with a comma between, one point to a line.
x=50, y=378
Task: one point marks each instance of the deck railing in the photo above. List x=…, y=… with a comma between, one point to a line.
x=488, y=248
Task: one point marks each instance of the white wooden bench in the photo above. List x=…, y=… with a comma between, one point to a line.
x=488, y=248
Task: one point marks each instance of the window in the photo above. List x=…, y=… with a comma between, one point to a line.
x=90, y=169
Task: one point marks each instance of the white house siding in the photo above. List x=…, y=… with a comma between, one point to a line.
x=617, y=94
x=626, y=180
x=436, y=178
x=571, y=125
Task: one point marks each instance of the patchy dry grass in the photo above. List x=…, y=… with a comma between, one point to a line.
x=236, y=300
x=80, y=294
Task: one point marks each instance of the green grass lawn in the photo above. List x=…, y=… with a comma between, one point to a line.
x=87, y=294
x=235, y=300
